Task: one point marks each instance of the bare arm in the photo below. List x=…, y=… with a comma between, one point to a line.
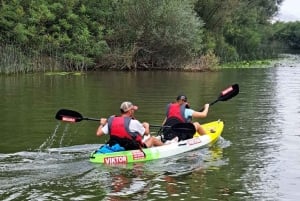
x=147, y=129
x=103, y=122
x=202, y=114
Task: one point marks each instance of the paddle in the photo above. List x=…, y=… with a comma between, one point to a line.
x=189, y=128
x=73, y=117
x=226, y=94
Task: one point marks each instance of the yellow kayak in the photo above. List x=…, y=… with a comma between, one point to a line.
x=213, y=130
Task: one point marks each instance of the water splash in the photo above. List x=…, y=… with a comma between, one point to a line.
x=50, y=141
x=65, y=132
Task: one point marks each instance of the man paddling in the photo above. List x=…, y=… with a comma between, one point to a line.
x=180, y=112
x=127, y=131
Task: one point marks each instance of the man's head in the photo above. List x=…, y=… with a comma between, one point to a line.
x=182, y=99
x=127, y=106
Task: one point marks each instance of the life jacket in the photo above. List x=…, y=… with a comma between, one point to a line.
x=119, y=130
x=175, y=114
x=174, y=110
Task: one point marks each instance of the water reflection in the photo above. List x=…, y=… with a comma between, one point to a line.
x=162, y=179
x=269, y=141
x=27, y=175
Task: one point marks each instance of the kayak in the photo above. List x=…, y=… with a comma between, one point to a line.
x=213, y=130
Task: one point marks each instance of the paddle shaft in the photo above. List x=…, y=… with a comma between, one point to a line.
x=90, y=119
x=210, y=104
x=73, y=117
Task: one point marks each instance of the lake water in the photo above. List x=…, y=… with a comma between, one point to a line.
x=257, y=157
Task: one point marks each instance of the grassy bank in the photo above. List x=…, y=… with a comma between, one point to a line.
x=14, y=61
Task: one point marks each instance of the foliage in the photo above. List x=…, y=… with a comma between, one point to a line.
x=62, y=26
x=288, y=34
x=168, y=34
x=207, y=62
x=79, y=35
x=249, y=64
x=241, y=28
x=13, y=60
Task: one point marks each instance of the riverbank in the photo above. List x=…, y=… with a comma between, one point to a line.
x=17, y=63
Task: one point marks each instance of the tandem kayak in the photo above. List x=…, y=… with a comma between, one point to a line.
x=213, y=130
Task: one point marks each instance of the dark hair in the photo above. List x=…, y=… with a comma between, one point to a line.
x=181, y=97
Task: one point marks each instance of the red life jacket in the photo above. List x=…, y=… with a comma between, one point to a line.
x=174, y=110
x=119, y=127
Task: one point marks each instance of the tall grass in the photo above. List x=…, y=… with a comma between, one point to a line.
x=14, y=60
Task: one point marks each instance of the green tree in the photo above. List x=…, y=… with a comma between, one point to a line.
x=131, y=34
x=288, y=34
x=239, y=30
x=153, y=33
x=249, y=31
x=66, y=28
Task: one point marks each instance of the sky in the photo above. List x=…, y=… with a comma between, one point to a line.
x=289, y=11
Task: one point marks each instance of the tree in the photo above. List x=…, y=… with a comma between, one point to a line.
x=153, y=33
x=64, y=27
x=239, y=30
x=288, y=34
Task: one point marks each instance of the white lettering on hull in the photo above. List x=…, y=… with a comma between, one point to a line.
x=137, y=155
x=115, y=160
x=194, y=141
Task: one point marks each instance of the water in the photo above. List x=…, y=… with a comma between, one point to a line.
x=256, y=158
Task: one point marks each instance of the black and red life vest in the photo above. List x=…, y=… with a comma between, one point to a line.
x=119, y=128
x=175, y=110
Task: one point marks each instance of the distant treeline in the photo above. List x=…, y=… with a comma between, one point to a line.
x=79, y=35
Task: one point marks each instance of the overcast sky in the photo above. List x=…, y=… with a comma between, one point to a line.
x=289, y=11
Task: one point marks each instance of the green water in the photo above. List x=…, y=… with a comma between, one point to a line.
x=256, y=159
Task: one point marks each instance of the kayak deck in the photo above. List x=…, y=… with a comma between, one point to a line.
x=213, y=130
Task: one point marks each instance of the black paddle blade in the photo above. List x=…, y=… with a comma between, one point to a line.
x=185, y=128
x=68, y=115
x=229, y=92
x=226, y=94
